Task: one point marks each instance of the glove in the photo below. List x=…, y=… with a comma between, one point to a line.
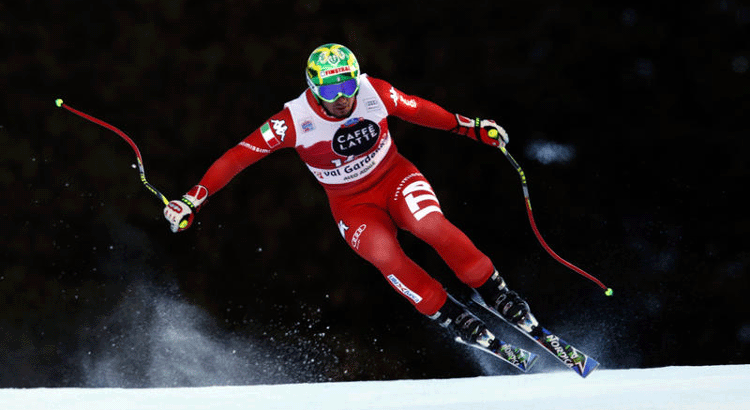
x=486, y=131
x=180, y=213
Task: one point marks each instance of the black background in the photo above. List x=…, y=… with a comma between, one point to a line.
x=95, y=290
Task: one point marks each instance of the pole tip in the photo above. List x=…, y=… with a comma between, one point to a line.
x=59, y=102
x=609, y=292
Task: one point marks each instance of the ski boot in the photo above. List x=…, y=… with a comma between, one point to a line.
x=506, y=303
x=464, y=325
x=471, y=331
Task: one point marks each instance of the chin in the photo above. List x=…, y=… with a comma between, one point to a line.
x=342, y=113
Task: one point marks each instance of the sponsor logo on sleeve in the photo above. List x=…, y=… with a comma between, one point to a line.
x=269, y=136
x=279, y=128
x=397, y=96
x=275, y=137
x=254, y=148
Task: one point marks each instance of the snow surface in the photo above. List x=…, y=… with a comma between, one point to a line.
x=708, y=387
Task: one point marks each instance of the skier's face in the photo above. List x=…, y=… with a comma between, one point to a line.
x=341, y=108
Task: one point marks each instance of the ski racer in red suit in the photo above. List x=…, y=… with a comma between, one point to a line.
x=339, y=128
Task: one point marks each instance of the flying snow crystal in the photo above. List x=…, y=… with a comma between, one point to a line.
x=548, y=152
x=644, y=67
x=740, y=64
x=154, y=339
x=743, y=335
x=629, y=17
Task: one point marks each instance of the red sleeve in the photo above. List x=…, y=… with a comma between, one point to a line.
x=276, y=133
x=412, y=108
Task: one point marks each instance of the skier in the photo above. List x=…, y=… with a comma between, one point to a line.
x=338, y=127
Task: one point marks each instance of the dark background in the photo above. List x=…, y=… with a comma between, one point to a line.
x=95, y=290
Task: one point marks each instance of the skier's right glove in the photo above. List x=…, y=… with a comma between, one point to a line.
x=180, y=213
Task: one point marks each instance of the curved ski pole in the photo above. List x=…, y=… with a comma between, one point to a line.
x=607, y=291
x=151, y=188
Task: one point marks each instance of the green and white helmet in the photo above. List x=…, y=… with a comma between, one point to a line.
x=332, y=71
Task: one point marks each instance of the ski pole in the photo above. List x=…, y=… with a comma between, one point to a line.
x=59, y=103
x=607, y=291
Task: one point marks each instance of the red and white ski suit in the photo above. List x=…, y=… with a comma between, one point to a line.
x=372, y=189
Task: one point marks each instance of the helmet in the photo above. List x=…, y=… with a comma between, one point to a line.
x=332, y=71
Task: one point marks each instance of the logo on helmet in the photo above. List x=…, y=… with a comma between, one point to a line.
x=334, y=71
x=330, y=55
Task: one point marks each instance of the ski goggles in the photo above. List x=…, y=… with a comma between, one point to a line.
x=330, y=93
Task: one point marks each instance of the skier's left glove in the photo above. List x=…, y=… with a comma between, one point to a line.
x=486, y=131
x=180, y=213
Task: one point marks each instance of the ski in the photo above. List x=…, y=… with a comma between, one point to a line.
x=567, y=354
x=519, y=358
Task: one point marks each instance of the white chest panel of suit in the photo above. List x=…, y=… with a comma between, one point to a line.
x=342, y=151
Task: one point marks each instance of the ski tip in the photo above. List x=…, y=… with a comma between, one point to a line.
x=59, y=102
